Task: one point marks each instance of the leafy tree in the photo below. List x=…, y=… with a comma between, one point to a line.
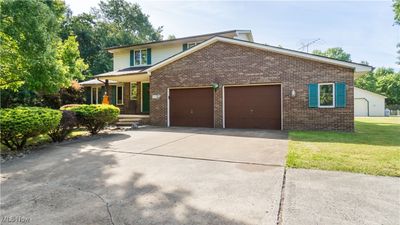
x=12, y=71
x=113, y=23
x=336, y=53
x=68, y=53
x=389, y=86
x=383, y=81
x=84, y=26
x=367, y=82
x=171, y=37
x=131, y=24
x=31, y=29
x=396, y=10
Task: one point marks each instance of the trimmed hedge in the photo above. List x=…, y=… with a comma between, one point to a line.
x=20, y=123
x=96, y=117
x=69, y=106
x=67, y=123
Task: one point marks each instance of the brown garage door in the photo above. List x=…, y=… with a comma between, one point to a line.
x=192, y=107
x=253, y=107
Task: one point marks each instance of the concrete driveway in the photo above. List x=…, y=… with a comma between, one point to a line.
x=150, y=176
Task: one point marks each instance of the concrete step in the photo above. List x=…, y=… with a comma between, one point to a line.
x=129, y=119
x=125, y=116
x=125, y=123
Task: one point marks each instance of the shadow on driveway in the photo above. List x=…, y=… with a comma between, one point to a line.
x=75, y=183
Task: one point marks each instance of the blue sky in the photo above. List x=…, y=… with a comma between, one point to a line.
x=362, y=28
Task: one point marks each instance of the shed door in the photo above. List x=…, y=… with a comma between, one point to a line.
x=192, y=107
x=253, y=107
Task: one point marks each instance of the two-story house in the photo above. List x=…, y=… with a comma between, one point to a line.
x=226, y=80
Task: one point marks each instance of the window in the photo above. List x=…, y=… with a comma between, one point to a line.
x=140, y=57
x=191, y=44
x=133, y=91
x=120, y=95
x=326, y=95
x=94, y=95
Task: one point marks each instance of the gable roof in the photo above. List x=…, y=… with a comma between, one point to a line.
x=358, y=67
x=206, y=36
x=370, y=92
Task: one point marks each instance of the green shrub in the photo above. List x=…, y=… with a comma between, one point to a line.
x=67, y=123
x=19, y=124
x=96, y=117
x=69, y=106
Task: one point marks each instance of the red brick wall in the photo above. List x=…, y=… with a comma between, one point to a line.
x=229, y=64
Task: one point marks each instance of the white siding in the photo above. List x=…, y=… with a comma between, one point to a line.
x=367, y=103
x=242, y=36
x=360, y=107
x=159, y=53
x=121, y=60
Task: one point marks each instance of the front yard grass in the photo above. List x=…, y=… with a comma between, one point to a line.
x=44, y=138
x=374, y=148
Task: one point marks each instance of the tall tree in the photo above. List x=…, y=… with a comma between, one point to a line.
x=33, y=26
x=336, y=53
x=396, y=10
x=383, y=81
x=12, y=70
x=113, y=23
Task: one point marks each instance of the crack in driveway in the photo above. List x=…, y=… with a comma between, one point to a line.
x=102, y=199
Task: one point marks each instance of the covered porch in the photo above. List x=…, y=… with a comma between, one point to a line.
x=128, y=89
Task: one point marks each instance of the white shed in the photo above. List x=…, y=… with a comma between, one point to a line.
x=367, y=103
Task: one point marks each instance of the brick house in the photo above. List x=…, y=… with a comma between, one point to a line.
x=225, y=80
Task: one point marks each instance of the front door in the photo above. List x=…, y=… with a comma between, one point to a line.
x=145, y=97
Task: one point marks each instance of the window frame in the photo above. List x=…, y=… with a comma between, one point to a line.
x=195, y=43
x=97, y=95
x=333, y=95
x=140, y=57
x=130, y=94
x=116, y=94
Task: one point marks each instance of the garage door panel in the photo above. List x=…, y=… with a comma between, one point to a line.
x=192, y=107
x=253, y=107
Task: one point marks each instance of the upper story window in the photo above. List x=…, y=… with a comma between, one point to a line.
x=140, y=57
x=326, y=95
x=191, y=44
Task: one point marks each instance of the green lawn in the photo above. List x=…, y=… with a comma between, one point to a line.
x=44, y=138
x=374, y=148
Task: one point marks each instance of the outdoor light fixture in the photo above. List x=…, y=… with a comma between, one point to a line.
x=293, y=93
x=215, y=86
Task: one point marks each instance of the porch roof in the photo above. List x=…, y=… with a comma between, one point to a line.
x=129, y=74
x=95, y=82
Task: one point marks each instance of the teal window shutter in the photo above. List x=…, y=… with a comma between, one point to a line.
x=184, y=47
x=340, y=95
x=313, y=95
x=88, y=94
x=149, y=56
x=113, y=95
x=131, y=58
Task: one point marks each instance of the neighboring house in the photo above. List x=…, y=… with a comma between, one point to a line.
x=367, y=103
x=225, y=80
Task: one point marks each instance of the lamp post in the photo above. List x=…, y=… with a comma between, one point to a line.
x=105, y=96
